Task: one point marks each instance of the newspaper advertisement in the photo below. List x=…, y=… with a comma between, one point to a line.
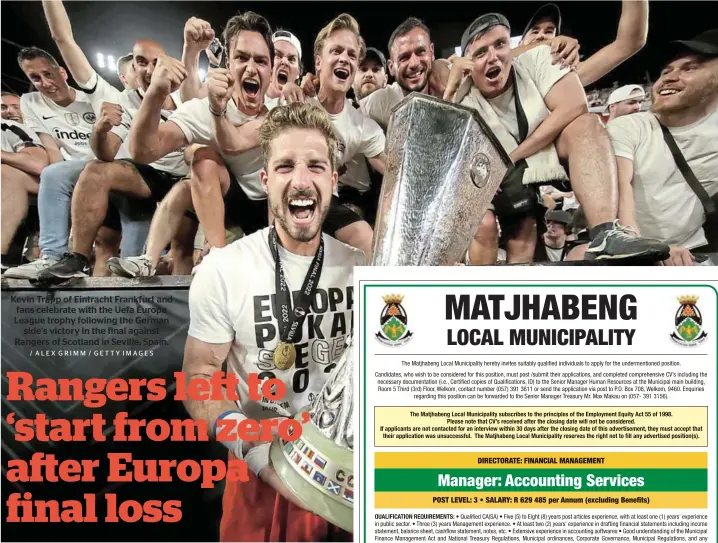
x=571, y=407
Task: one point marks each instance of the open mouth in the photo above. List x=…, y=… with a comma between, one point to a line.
x=250, y=87
x=302, y=209
x=493, y=73
x=282, y=77
x=342, y=74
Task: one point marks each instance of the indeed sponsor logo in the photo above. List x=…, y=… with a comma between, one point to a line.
x=73, y=135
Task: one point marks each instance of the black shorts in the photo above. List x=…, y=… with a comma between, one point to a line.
x=352, y=198
x=131, y=208
x=253, y=215
x=112, y=218
x=240, y=210
x=338, y=217
x=159, y=182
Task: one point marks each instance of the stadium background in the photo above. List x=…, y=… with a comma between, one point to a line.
x=112, y=27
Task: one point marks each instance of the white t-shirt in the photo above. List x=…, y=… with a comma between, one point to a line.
x=271, y=103
x=195, y=121
x=70, y=126
x=378, y=104
x=231, y=299
x=359, y=134
x=666, y=207
x=16, y=137
x=131, y=100
x=554, y=254
x=537, y=63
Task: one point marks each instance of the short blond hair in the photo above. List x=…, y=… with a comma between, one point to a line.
x=341, y=22
x=298, y=115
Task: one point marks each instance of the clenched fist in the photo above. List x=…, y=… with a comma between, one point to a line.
x=168, y=75
x=110, y=115
x=220, y=85
x=198, y=34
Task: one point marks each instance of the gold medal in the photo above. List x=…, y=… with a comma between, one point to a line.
x=284, y=356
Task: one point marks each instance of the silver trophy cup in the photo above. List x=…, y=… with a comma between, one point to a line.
x=443, y=167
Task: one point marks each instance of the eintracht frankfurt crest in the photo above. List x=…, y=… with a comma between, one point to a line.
x=688, y=323
x=393, y=322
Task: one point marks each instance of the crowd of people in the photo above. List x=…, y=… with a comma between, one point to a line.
x=149, y=179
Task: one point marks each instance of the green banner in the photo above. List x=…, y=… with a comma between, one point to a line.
x=541, y=480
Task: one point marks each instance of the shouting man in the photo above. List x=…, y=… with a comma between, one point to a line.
x=538, y=112
x=231, y=299
x=287, y=65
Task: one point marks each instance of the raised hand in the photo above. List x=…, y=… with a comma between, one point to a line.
x=198, y=34
x=110, y=115
x=168, y=75
x=219, y=87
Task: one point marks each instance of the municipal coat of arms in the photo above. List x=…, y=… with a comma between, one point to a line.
x=688, y=327
x=393, y=321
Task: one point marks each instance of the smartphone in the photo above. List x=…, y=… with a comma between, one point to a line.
x=217, y=51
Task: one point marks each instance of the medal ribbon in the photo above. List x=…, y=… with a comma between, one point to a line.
x=290, y=321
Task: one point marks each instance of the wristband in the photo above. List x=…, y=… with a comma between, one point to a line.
x=235, y=445
x=217, y=113
x=257, y=458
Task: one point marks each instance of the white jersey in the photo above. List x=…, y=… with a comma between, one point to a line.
x=231, y=299
x=130, y=100
x=70, y=126
x=16, y=137
x=195, y=121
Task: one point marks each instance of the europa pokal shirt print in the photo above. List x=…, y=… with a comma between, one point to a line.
x=503, y=409
x=247, y=312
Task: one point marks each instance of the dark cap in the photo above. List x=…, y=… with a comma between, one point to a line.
x=705, y=43
x=547, y=11
x=480, y=25
x=564, y=217
x=374, y=53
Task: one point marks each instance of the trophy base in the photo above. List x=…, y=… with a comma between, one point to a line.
x=337, y=510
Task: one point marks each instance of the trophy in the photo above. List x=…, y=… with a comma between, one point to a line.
x=443, y=167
